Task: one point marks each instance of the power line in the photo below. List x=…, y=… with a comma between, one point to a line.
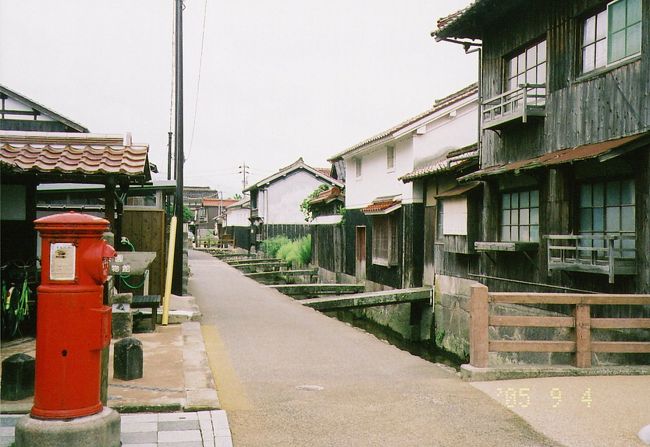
x=198, y=80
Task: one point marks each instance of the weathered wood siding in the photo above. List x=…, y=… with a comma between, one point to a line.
x=292, y=231
x=580, y=109
x=145, y=228
x=328, y=247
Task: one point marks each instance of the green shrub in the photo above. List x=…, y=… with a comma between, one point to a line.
x=271, y=246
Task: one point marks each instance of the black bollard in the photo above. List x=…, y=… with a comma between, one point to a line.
x=128, y=359
x=17, y=377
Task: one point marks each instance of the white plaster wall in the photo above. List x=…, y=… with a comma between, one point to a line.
x=438, y=134
x=238, y=217
x=279, y=202
x=447, y=132
x=376, y=180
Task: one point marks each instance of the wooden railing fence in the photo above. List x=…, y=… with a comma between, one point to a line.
x=582, y=346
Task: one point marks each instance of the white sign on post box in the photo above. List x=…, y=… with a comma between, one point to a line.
x=62, y=261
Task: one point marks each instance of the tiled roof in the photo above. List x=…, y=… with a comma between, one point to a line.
x=562, y=156
x=453, y=160
x=324, y=171
x=298, y=164
x=438, y=105
x=218, y=202
x=382, y=206
x=36, y=153
x=327, y=196
x=472, y=21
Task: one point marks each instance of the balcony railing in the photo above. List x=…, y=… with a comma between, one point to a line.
x=596, y=253
x=523, y=102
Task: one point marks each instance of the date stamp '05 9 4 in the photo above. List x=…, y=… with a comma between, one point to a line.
x=523, y=398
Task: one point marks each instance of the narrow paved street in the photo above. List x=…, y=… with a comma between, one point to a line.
x=290, y=376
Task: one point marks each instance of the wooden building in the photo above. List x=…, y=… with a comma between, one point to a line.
x=564, y=144
x=275, y=200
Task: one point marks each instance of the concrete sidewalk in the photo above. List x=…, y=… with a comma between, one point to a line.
x=193, y=429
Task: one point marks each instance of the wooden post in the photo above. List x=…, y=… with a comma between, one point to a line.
x=478, y=327
x=583, y=335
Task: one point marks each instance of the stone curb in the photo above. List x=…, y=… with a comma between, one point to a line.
x=201, y=393
x=470, y=373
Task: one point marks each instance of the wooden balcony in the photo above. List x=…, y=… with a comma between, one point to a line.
x=518, y=104
x=604, y=254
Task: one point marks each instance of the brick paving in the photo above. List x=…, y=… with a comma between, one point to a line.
x=190, y=429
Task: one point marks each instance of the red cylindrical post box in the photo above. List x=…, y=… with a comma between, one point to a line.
x=73, y=325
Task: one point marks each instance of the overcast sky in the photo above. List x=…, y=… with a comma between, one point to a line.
x=279, y=80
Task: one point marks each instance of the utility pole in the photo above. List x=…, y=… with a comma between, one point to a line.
x=243, y=169
x=169, y=155
x=177, y=277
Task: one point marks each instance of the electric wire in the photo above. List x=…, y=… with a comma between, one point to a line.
x=198, y=81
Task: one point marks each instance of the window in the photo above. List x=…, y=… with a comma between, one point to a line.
x=384, y=240
x=594, y=42
x=357, y=167
x=390, y=158
x=440, y=217
x=607, y=208
x=611, y=35
x=624, y=30
x=528, y=67
x=520, y=216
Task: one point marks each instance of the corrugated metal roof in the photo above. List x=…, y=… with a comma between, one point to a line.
x=559, y=157
x=453, y=160
x=439, y=105
x=21, y=153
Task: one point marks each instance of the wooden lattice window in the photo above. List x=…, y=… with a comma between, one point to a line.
x=384, y=240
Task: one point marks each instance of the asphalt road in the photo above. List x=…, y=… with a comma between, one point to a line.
x=290, y=376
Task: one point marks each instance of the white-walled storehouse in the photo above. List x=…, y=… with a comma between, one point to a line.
x=384, y=216
x=275, y=200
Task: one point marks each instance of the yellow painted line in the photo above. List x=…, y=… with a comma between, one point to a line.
x=232, y=394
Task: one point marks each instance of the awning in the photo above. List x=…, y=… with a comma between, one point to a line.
x=454, y=160
x=381, y=206
x=564, y=156
x=458, y=190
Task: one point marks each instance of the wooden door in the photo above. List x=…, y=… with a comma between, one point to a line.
x=360, y=244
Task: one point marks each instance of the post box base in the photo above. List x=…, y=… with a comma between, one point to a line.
x=101, y=429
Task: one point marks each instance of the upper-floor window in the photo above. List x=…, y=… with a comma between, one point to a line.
x=527, y=67
x=390, y=157
x=520, y=216
x=357, y=167
x=611, y=35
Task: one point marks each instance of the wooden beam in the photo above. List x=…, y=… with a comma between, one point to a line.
x=516, y=321
x=478, y=327
x=583, y=336
x=532, y=346
x=620, y=323
x=568, y=298
x=621, y=346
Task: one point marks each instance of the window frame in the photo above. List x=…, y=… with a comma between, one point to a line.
x=358, y=167
x=519, y=208
x=390, y=158
x=609, y=63
x=605, y=207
